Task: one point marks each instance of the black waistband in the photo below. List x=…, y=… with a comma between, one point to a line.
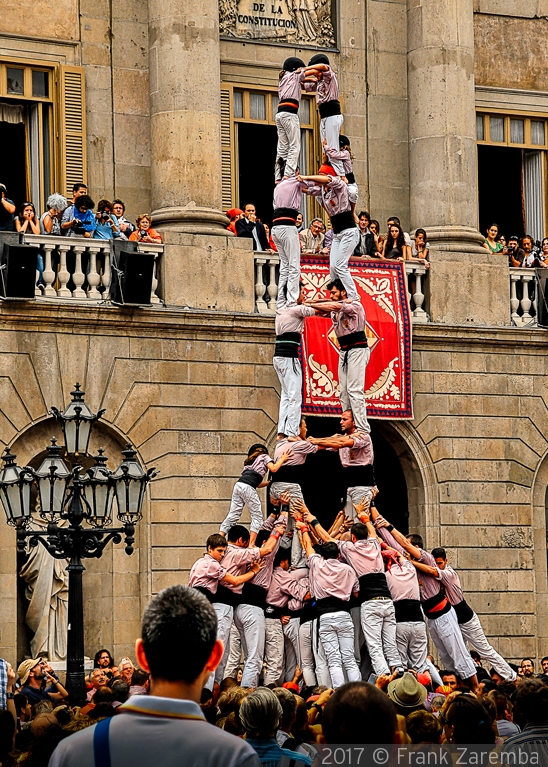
x=359, y=476
x=288, y=105
x=330, y=108
x=309, y=612
x=464, y=611
x=342, y=221
x=351, y=177
x=331, y=605
x=287, y=345
x=291, y=474
x=351, y=340
x=271, y=611
x=210, y=596
x=373, y=585
x=284, y=217
x=226, y=596
x=253, y=595
x=432, y=602
x=408, y=611
x=251, y=477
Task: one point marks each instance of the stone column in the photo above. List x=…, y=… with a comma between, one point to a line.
x=443, y=164
x=185, y=115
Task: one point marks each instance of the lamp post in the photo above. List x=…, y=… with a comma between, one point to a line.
x=84, y=501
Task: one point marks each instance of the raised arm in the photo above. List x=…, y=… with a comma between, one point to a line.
x=426, y=568
x=280, y=462
x=270, y=544
x=335, y=442
x=304, y=538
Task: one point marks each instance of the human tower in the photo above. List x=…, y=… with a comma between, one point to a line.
x=355, y=599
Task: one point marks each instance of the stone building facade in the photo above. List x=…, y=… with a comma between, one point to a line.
x=146, y=101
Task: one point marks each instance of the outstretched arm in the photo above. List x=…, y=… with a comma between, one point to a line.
x=270, y=544
x=280, y=462
x=335, y=442
x=426, y=568
x=304, y=538
x=310, y=519
x=236, y=580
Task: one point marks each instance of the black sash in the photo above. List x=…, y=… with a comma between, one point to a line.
x=287, y=345
x=329, y=108
x=210, y=596
x=373, y=585
x=352, y=340
x=271, y=611
x=359, y=476
x=309, y=612
x=464, y=611
x=290, y=474
x=288, y=105
x=284, y=217
x=253, y=595
x=226, y=596
x=432, y=602
x=408, y=611
x=251, y=477
x=351, y=177
x=342, y=221
x=331, y=605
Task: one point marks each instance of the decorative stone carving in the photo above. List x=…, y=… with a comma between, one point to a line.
x=288, y=21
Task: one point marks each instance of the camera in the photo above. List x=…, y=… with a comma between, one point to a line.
x=143, y=233
x=105, y=215
x=78, y=228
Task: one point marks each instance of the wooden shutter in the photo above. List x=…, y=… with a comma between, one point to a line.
x=226, y=150
x=72, y=128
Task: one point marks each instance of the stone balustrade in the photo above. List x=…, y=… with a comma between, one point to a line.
x=266, y=285
x=523, y=297
x=80, y=268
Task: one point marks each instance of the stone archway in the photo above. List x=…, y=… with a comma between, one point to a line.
x=539, y=523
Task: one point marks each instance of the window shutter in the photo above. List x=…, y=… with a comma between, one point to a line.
x=226, y=151
x=72, y=128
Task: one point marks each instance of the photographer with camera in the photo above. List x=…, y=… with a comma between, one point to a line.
x=145, y=232
x=514, y=252
x=106, y=223
x=126, y=227
x=7, y=209
x=78, y=219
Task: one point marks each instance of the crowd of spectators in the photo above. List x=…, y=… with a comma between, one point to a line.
x=315, y=239
x=176, y=654
x=75, y=218
x=524, y=252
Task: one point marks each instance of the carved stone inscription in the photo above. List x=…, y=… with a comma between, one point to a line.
x=288, y=21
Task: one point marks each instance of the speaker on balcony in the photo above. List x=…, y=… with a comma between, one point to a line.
x=542, y=298
x=18, y=271
x=131, y=281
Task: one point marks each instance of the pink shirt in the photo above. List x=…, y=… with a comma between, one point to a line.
x=327, y=89
x=260, y=464
x=349, y=319
x=364, y=556
x=237, y=560
x=343, y=155
x=264, y=576
x=332, y=196
x=429, y=585
x=451, y=584
x=402, y=581
x=295, y=603
x=297, y=451
x=361, y=452
x=285, y=586
x=206, y=573
x=290, y=86
x=332, y=578
x=288, y=193
x=291, y=319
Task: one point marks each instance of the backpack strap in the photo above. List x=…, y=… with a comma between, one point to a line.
x=101, y=743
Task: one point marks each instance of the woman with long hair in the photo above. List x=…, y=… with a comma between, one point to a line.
x=491, y=241
x=394, y=247
x=27, y=221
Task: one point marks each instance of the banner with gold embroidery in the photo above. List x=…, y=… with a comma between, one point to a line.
x=383, y=290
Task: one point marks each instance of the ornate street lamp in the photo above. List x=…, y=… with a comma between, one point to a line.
x=76, y=421
x=79, y=499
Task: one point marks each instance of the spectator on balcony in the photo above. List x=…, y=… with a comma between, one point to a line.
x=544, y=251
x=530, y=258
x=491, y=243
x=249, y=227
x=394, y=247
x=7, y=209
x=106, y=223
x=300, y=222
x=514, y=252
x=375, y=228
x=396, y=220
x=144, y=231
x=125, y=226
x=80, y=217
x=27, y=221
x=233, y=215
x=313, y=237
x=366, y=244
x=50, y=221
x=78, y=190
x=420, y=248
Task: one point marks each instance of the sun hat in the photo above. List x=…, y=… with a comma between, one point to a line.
x=406, y=691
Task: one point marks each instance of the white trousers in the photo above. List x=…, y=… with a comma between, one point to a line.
x=353, y=496
x=290, y=537
x=412, y=644
x=286, y=239
x=450, y=645
x=250, y=622
x=307, y=654
x=289, y=143
x=290, y=374
x=243, y=495
x=342, y=247
x=225, y=615
x=337, y=636
x=353, y=192
x=233, y=658
x=379, y=628
x=292, y=649
x=330, y=128
x=320, y=658
x=352, y=367
x=273, y=651
x=472, y=633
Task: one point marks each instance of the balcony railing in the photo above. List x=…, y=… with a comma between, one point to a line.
x=267, y=268
x=80, y=268
x=523, y=297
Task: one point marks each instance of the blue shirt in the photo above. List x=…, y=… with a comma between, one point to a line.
x=103, y=231
x=270, y=753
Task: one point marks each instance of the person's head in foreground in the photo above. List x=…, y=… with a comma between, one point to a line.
x=467, y=721
x=260, y=714
x=358, y=712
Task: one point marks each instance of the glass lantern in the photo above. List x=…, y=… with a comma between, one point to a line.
x=53, y=477
x=76, y=421
x=15, y=487
x=130, y=482
x=99, y=491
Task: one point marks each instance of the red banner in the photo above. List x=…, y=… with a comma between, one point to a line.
x=383, y=290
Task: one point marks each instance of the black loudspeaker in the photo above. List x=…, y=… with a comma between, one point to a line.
x=542, y=298
x=18, y=271
x=131, y=281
